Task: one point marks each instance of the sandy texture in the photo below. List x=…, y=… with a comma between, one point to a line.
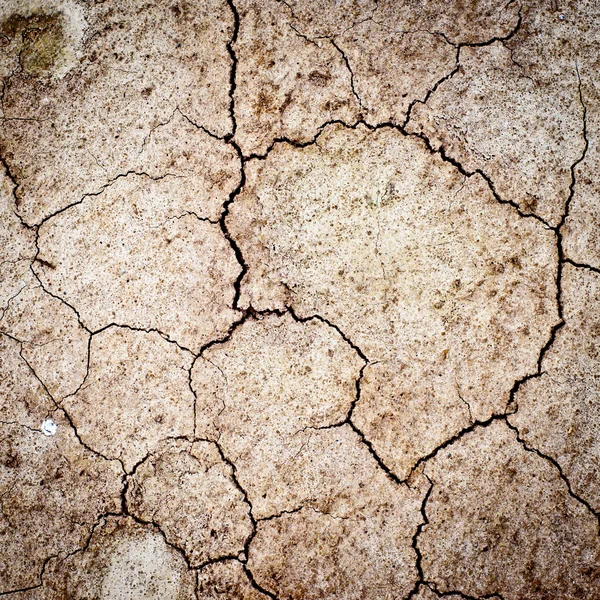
x=134, y=64
x=299, y=300
x=506, y=501
x=136, y=393
x=287, y=85
x=512, y=111
x=427, y=273
x=53, y=488
x=188, y=491
x=17, y=244
x=122, y=559
x=581, y=239
x=53, y=341
x=558, y=411
x=134, y=259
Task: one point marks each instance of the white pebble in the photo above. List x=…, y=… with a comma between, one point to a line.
x=49, y=427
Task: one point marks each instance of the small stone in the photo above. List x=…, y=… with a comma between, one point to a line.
x=49, y=427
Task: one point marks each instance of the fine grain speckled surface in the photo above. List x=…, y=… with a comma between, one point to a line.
x=299, y=300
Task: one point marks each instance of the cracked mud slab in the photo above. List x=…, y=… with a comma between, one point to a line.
x=298, y=299
x=449, y=294
x=53, y=487
x=135, y=394
x=491, y=498
x=188, y=490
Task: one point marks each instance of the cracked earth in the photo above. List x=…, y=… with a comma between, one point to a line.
x=300, y=299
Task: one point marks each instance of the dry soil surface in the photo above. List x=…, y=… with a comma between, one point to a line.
x=300, y=299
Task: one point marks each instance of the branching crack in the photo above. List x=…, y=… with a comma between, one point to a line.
x=35, y=586
x=253, y=521
x=579, y=265
x=562, y=260
x=126, y=510
x=163, y=335
x=103, y=188
x=557, y=466
x=349, y=67
x=433, y=89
